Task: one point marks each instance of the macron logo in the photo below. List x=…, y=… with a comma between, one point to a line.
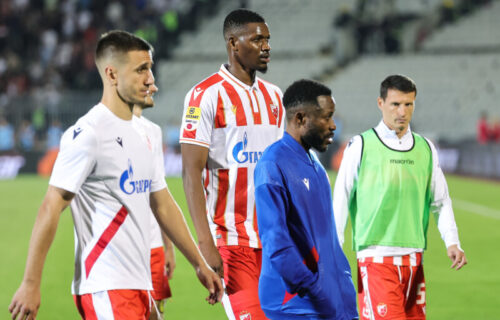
x=197, y=92
x=120, y=142
x=306, y=183
x=76, y=132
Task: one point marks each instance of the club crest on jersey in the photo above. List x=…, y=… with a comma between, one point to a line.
x=274, y=110
x=245, y=315
x=129, y=185
x=382, y=309
x=241, y=155
x=233, y=109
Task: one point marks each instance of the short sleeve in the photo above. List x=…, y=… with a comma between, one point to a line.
x=76, y=158
x=198, y=117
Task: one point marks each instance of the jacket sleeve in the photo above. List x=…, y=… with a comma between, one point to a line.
x=272, y=204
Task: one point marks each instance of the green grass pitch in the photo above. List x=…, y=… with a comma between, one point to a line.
x=471, y=293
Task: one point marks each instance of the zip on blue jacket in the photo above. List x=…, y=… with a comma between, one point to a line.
x=305, y=273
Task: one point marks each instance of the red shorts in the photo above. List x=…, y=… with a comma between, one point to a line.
x=241, y=275
x=114, y=304
x=161, y=288
x=389, y=291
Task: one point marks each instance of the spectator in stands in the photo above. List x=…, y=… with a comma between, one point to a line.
x=54, y=134
x=448, y=12
x=483, y=129
x=26, y=136
x=6, y=135
x=495, y=131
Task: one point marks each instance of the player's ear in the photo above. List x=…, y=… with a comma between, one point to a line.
x=380, y=102
x=110, y=73
x=233, y=42
x=300, y=118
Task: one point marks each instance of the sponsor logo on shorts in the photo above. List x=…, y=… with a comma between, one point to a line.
x=382, y=309
x=129, y=185
x=245, y=315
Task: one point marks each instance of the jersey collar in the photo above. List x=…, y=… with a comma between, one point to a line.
x=386, y=133
x=228, y=76
x=297, y=148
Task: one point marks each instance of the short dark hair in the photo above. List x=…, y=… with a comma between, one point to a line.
x=239, y=18
x=304, y=93
x=119, y=41
x=399, y=82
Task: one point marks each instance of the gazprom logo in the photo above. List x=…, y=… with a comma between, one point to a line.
x=129, y=185
x=241, y=155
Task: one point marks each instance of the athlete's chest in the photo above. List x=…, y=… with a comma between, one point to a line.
x=125, y=155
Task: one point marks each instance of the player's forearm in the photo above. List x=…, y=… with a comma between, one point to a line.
x=167, y=243
x=174, y=225
x=195, y=197
x=180, y=235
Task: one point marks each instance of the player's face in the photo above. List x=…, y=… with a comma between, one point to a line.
x=320, y=126
x=254, y=50
x=397, y=110
x=135, y=76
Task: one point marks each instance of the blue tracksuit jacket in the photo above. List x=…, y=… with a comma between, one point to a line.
x=305, y=273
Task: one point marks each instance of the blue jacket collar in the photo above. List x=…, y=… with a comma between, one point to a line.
x=297, y=148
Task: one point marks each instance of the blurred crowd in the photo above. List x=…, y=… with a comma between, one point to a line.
x=47, y=47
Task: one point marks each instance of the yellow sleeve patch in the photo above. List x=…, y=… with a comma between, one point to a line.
x=193, y=113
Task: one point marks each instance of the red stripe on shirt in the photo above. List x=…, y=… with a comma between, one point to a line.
x=220, y=206
x=220, y=116
x=238, y=110
x=105, y=238
x=240, y=205
x=256, y=115
x=199, y=90
x=273, y=116
x=281, y=110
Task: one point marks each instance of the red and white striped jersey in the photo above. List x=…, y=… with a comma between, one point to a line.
x=236, y=122
x=108, y=165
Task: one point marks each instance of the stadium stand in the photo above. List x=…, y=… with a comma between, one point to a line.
x=449, y=47
x=452, y=90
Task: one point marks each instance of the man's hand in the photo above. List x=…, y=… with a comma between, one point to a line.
x=212, y=282
x=25, y=302
x=457, y=257
x=170, y=261
x=212, y=256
